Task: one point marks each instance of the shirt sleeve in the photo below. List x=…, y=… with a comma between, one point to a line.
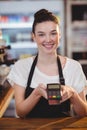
x=74, y=75
x=79, y=79
x=19, y=73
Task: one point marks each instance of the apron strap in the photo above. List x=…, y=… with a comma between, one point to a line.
x=61, y=78
x=30, y=76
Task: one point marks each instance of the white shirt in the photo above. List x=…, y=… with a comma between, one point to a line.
x=72, y=72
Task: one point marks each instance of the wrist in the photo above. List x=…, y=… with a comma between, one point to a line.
x=36, y=93
x=73, y=97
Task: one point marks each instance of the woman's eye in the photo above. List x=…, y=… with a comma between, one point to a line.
x=41, y=34
x=54, y=33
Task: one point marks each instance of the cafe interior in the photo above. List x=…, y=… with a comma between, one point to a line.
x=16, y=18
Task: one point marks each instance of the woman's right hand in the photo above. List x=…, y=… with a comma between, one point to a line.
x=41, y=91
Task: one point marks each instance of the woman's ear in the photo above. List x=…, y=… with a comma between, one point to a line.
x=33, y=37
x=59, y=39
x=59, y=35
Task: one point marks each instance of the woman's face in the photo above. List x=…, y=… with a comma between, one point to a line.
x=47, y=36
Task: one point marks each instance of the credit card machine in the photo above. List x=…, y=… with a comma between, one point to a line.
x=54, y=94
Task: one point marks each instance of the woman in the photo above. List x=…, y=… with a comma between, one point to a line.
x=30, y=85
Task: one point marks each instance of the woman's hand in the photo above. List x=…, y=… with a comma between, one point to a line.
x=41, y=91
x=66, y=92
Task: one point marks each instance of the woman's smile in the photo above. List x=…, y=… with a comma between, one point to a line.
x=48, y=45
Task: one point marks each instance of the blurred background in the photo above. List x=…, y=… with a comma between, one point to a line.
x=16, y=18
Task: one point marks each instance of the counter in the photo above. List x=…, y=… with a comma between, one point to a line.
x=5, y=99
x=68, y=123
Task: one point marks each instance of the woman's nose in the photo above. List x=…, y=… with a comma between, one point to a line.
x=48, y=38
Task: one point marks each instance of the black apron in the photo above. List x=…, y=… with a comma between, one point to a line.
x=42, y=108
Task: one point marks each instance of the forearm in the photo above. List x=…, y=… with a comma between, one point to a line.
x=24, y=107
x=79, y=106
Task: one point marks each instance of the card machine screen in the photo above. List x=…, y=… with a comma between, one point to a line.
x=53, y=91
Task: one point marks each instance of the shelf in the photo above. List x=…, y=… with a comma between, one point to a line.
x=18, y=45
x=79, y=24
x=76, y=25
x=79, y=49
x=15, y=25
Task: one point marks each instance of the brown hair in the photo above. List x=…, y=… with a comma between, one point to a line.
x=42, y=16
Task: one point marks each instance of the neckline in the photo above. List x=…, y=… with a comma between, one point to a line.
x=52, y=76
x=45, y=75
x=48, y=76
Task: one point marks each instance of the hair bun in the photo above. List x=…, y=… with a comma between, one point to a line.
x=43, y=15
x=41, y=12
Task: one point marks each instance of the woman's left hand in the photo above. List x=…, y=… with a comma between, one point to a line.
x=66, y=92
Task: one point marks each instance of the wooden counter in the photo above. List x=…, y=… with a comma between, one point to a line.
x=68, y=123
x=5, y=99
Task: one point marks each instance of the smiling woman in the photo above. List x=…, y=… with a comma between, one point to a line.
x=46, y=36
x=31, y=76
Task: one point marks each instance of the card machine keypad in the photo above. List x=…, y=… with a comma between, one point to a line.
x=53, y=91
